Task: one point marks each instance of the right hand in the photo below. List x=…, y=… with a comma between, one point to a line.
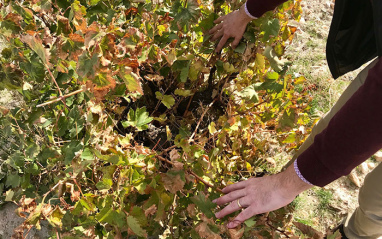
x=231, y=25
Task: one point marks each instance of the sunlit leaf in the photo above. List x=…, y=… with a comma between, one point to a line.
x=138, y=118
x=167, y=100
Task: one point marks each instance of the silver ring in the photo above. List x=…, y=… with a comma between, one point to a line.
x=238, y=203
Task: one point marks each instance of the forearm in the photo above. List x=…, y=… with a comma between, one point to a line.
x=352, y=136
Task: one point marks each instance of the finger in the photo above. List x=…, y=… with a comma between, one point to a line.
x=216, y=28
x=242, y=217
x=236, y=186
x=217, y=35
x=220, y=19
x=232, y=207
x=232, y=196
x=221, y=44
x=235, y=42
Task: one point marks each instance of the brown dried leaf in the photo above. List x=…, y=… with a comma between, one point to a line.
x=47, y=210
x=231, y=121
x=76, y=195
x=15, y=18
x=79, y=21
x=309, y=231
x=174, y=155
x=151, y=210
x=27, y=204
x=205, y=232
x=4, y=110
x=133, y=63
x=76, y=38
x=172, y=183
x=191, y=209
x=18, y=232
x=178, y=165
x=236, y=233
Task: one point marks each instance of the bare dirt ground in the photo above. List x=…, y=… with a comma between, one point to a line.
x=323, y=208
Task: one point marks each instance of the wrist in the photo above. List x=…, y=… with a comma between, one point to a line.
x=292, y=184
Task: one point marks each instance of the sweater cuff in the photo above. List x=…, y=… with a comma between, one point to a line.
x=247, y=12
x=299, y=174
x=314, y=171
x=256, y=8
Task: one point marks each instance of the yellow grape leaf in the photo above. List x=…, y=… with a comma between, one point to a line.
x=132, y=82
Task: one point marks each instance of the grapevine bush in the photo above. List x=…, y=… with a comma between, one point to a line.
x=131, y=124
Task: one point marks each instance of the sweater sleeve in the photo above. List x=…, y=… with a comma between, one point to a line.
x=352, y=136
x=256, y=8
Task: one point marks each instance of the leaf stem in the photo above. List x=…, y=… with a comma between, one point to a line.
x=53, y=79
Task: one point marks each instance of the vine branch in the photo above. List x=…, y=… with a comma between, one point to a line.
x=62, y=97
x=200, y=120
x=192, y=173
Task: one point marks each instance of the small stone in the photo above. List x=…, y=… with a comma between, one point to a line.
x=364, y=168
x=371, y=165
x=354, y=179
x=378, y=156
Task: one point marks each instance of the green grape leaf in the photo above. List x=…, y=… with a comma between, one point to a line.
x=288, y=118
x=133, y=224
x=139, y=119
x=87, y=154
x=276, y=64
x=13, y=180
x=167, y=100
x=185, y=15
x=250, y=94
x=204, y=204
x=184, y=93
x=87, y=65
x=271, y=28
x=241, y=48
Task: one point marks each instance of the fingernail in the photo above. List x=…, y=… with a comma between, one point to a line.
x=214, y=201
x=230, y=224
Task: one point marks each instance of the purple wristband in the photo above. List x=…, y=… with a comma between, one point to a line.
x=299, y=173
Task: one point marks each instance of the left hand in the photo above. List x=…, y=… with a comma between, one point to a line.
x=260, y=195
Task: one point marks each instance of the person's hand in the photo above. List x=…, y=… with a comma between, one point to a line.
x=260, y=195
x=231, y=25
